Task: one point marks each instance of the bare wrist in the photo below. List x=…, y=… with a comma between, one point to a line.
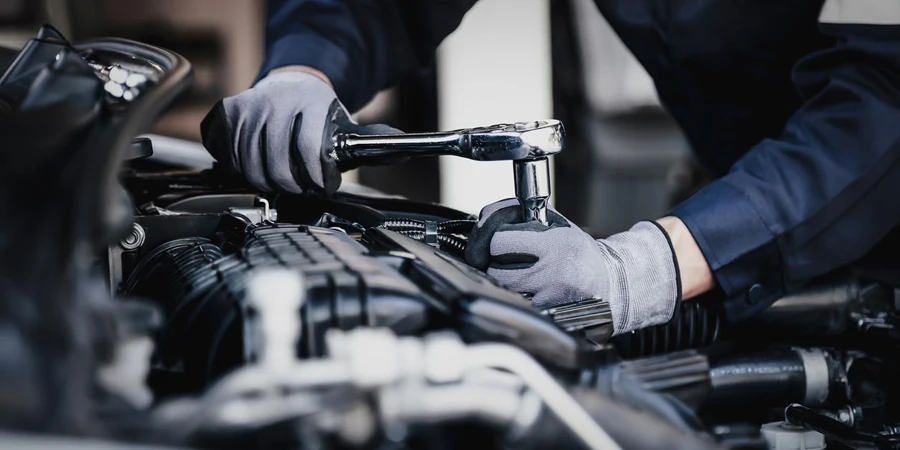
x=307, y=69
x=696, y=276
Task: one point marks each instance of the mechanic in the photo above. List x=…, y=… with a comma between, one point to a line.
x=794, y=106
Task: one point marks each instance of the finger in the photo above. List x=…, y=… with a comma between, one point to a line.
x=217, y=137
x=532, y=238
x=513, y=261
x=489, y=210
x=544, y=286
x=478, y=246
x=375, y=129
x=310, y=140
x=278, y=156
x=251, y=145
x=518, y=280
x=536, y=283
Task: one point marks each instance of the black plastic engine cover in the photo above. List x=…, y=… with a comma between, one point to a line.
x=201, y=288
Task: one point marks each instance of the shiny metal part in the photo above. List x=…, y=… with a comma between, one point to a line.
x=257, y=214
x=527, y=143
x=532, y=178
x=431, y=233
x=135, y=239
x=504, y=142
x=121, y=83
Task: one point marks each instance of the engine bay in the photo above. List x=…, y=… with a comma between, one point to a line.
x=150, y=300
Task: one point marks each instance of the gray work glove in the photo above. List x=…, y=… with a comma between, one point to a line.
x=634, y=271
x=278, y=134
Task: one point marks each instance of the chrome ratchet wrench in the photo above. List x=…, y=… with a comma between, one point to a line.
x=527, y=144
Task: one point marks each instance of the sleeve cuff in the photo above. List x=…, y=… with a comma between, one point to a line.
x=738, y=246
x=310, y=49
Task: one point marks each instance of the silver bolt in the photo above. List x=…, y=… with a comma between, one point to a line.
x=135, y=239
x=118, y=74
x=114, y=89
x=135, y=80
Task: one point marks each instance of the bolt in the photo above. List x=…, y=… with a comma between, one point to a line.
x=135, y=239
x=844, y=416
x=135, y=80
x=114, y=89
x=118, y=74
x=130, y=95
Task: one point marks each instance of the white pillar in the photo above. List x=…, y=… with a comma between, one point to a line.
x=496, y=68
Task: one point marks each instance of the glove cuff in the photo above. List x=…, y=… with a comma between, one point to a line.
x=644, y=280
x=291, y=76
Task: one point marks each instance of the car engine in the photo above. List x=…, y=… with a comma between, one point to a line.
x=150, y=298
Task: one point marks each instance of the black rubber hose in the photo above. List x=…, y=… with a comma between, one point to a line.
x=833, y=429
x=693, y=325
x=771, y=378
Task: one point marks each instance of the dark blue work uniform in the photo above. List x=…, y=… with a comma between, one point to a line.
x=800, y=120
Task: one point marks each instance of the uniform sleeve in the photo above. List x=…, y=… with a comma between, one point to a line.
x=827, y=189
x=362, y=45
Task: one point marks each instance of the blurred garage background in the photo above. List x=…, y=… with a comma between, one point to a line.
x=510, y=60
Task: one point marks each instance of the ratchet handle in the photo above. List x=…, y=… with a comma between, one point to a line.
x=503, y=142
x=353, y=150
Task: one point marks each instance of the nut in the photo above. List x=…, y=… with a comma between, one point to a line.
x=135, y=239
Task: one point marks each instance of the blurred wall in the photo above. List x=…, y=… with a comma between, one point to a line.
x=235, y=28
x=494, y=69
x=632, y=144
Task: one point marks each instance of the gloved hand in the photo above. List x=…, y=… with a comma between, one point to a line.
x=634, y=271
x=279, y=133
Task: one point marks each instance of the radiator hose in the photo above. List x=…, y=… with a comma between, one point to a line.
x=775, y=377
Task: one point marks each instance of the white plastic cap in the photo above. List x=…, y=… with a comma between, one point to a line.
x=784, y=436
x=277, y=295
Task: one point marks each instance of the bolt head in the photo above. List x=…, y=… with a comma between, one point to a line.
x=135, y=239
x=135, y=80
x=118, y=74
x=114, y=89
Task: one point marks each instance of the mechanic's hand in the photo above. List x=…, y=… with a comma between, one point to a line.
x=634, y=271
x=279, y=133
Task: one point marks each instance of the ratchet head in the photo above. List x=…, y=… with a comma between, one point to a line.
x=515, y=142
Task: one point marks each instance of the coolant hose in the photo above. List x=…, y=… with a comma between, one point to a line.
x=774, y=377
